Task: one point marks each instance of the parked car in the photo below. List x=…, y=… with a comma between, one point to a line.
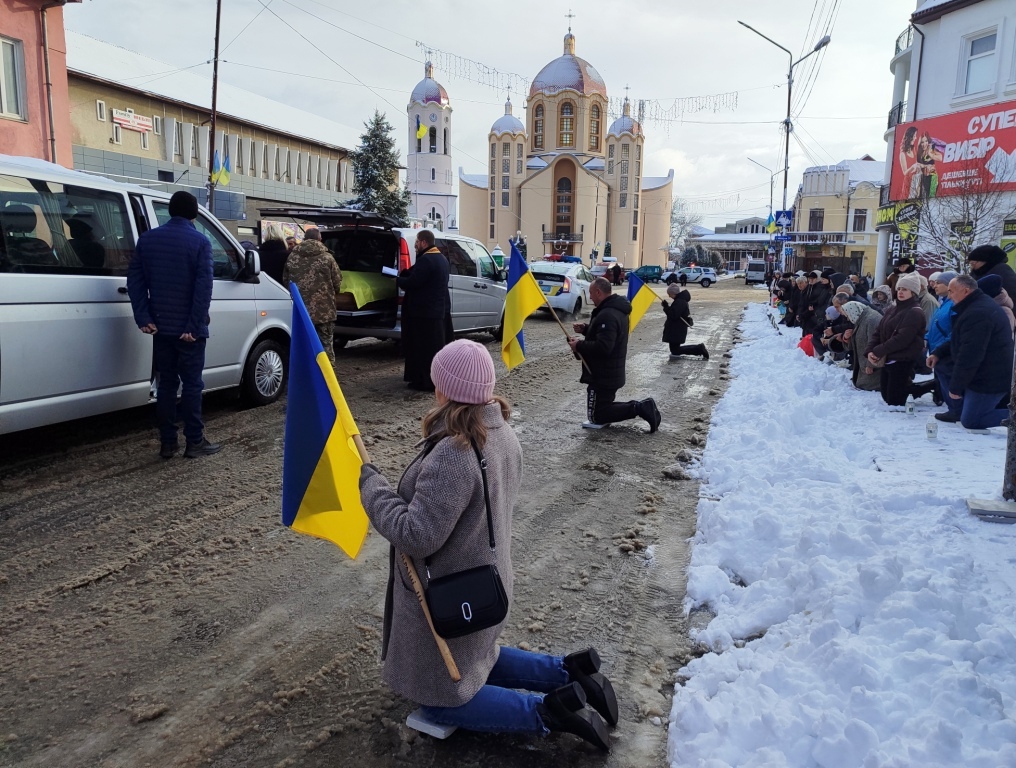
x=565, y=285
x=371, y=249
x=756, y=272
x=70, y=347
x=606, y=271
x=704, y=276
x=649, y=274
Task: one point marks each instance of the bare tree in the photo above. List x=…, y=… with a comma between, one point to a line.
x=950, y=226
x=681, y=222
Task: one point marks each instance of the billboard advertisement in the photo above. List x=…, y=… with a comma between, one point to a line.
x=956, y=153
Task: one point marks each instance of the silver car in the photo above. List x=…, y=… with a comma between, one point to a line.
x=69, y=346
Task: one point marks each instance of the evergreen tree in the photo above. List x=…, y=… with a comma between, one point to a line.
x=376, y=172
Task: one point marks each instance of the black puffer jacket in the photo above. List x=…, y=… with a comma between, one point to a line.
x=814, y=302
x=273, y=258
x=675, y=330
x=900, y=335
x=605, y=346
x=981, y=346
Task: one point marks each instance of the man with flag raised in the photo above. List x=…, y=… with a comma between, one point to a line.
x=605, y=350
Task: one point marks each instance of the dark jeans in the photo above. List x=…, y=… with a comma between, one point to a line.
x=897, y=381
x=686, y=349
x=943, y=374
x=601, y=408
x=179, y=361
x=981, y=411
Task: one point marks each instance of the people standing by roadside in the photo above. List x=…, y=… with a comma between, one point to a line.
x=679, y=320
x=468, y=473
x=169, y=282
x=315, y=272
x=273, y=253
x=992, y=260
x=605, y=351
x=683, y=279
x=426, y=311
x=898, y=343
x=981, y=349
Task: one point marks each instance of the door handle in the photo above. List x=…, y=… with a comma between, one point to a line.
x=480, y=285
x=122, y=289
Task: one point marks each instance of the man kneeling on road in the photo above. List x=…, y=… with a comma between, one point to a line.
x=605, y=350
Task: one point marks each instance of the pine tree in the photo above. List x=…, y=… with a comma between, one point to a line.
x=376, y=172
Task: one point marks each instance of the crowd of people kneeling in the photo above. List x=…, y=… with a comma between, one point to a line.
x=955, y=329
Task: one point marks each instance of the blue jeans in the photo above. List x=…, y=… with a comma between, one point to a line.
x=498, y=707
x=179, y=361
x=943, y=373
x=981, y=411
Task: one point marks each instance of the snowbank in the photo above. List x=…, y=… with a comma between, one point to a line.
x=862, y=615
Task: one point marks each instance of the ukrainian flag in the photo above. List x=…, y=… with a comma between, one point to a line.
x=771, y=224
x=321, y=464
x=224, y=174
x=216, y=167
x=421, y=130
x=524, y=297
x=641, y=298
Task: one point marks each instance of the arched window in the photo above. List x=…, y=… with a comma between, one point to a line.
x=445, y=142
x=433, y=174
x=594, y=128
x=566, y=126
x=538, y=127
x=433, y=139
x=563, y=206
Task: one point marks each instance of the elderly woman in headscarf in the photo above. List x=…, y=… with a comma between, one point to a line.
x=882, y=299
x=865, y=320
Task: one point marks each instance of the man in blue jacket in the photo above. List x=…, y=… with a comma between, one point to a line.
x=169, y=281
x=981, y=349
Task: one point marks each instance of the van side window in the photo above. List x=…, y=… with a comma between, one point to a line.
x=225, y=259
x=488, y=269
x=53, y=228
x=459, y=261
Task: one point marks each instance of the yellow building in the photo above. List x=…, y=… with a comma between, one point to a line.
x=564, y=180
x=834, y=217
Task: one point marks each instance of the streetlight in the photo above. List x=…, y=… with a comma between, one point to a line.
x=788, y=126
x=772, y=176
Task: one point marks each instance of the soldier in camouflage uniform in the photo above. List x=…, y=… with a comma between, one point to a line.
x=312, y=267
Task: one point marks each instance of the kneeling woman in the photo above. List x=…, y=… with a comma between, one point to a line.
x=438, y=517
x=898, y=343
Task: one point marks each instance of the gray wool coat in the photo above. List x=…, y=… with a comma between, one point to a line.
x=438, y=511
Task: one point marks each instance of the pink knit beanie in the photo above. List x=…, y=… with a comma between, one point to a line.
x=464, y=372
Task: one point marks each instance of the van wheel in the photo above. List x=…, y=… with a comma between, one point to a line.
x=706, y=282
x=265, y=374
x=498, y=333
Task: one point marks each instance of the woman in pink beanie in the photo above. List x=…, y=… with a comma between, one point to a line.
x=437, y=515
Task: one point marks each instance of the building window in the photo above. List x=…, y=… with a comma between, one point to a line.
x=504, y=182
x=504, y=199
x=156, y=125
x=623, y=200
x=624, y=151
x=610, y=167
x=610, y=151
x=493, y=150
x=12, y=79
x=166, y=176
x=979, y=72
x=624, y=167
x=491, y=215
x=178, y=140
x=195, y=143
x=638, y=152
x=433, y=140
x=419, y=145
x=506, y=165
x=634, y=233
x=538, y=127
x=444, y=143
x=566, y=126
x=594, y=129
x=518, y=166
x=635, y=202
x=860, y=219
x=493, y=165
x=491, y=231
x=433, y=174
x=624, y=183
x=638, y=169
x=816, y=218
x=638, y=183
x=144, y=140
x=100, y=111
x=518, y=151
x=506, y=149
x=635, y=217
x=117, y=133
x=493, y=181
x=563, y=209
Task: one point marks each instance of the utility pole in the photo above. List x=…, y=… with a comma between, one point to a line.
x=215, y=94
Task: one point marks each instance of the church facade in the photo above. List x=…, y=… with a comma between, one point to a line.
x=432, y=201
x=564, y=179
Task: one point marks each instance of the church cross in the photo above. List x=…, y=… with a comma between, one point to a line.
x=569, y=16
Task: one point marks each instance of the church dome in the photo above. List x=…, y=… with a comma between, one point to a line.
x=568, y=72
x=429, y=90
x=507, y=123
x=625, y=123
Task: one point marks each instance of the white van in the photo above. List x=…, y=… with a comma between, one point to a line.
x=69, y=346
x=756, y=272
x=371, y=248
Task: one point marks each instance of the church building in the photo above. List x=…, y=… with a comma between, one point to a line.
x=564, y=179
x=429, y=160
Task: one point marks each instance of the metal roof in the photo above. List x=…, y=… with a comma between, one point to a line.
x=568, y=72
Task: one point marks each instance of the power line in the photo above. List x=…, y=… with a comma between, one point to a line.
x=237, y=36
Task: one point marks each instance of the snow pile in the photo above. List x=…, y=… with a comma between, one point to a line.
x=862, y=616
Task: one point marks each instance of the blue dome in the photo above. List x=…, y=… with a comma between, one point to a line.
x=507, y=123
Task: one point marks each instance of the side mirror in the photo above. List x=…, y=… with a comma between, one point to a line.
x=251, y=264
x=501, y=275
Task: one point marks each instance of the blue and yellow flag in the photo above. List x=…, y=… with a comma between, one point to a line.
x=216, y=167
x=320, y=465
x=224, y=173
x=641, y=298
x=771, y=224
x=421, y=130
x=524, y=297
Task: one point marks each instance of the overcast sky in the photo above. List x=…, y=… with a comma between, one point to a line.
x=664, y=50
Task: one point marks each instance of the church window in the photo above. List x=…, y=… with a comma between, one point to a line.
x=419, y=145
x=493, y=150
x=624, y=167
x=610, y=151
x=433, y=139
x=638, y=168
x=564, y=206
x=638, y=152
x=445, y=142
x=624, y=151
x=637, y=183
x=623, y=200
x=491, y=231
x=504, y=199
x=634, y=233
x=493, y=165
x=635, y=217
x=506, y=149
x=624, y=183
x=538, y=127
x=491, y=215
x=518, y=150
x=492, y=199
x=594, y=129
x=505, y=183
x=635, y=201
x=566, y=128
x=506, y=165
x=433, y=174
x=610, y=167
x=493, y=180
x=518, y=166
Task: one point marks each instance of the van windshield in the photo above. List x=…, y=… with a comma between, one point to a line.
x=56, y=228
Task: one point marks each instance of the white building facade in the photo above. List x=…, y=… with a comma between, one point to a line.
x=429, y=161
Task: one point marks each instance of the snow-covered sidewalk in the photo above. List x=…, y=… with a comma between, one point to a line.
x=862, y=616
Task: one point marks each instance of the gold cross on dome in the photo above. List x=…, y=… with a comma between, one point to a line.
x=569, y=16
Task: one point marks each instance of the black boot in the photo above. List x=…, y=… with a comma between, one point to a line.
x=647, y=410
x=564, y=710
x=584, y=668
x=703, y=351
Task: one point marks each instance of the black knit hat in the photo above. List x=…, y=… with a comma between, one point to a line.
x=183, y=204
x=989, y=254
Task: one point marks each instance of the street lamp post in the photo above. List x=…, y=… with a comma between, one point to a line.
x=787, y=124
x=772, y=176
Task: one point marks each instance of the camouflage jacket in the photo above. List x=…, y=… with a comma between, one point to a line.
x=312, y=267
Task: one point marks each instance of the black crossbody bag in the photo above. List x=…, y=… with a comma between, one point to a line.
x=465, y=602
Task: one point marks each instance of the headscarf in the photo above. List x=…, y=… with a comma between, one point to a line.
x=852, y=311
x=882, y=305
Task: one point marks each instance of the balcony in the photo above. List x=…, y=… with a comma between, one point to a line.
x=819, y=238
x=562, y=237
x=897, y=115
x=904, y=41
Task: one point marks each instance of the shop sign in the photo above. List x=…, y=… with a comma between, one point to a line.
x=131, y=121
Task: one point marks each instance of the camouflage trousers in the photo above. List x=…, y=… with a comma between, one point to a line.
x=326, y=332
